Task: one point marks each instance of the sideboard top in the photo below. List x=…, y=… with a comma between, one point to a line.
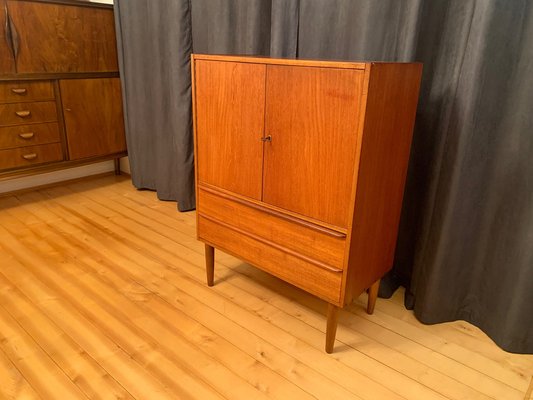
x=290, y=61
x=79, y=3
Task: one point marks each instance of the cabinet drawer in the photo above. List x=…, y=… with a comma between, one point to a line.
x=318, y=281
x=27, y=156
x=25, y=113
x=319, y=246
x=21, y=91
x=28, y=135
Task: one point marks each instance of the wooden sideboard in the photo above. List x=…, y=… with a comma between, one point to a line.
x=300, y=168
x=60, y=96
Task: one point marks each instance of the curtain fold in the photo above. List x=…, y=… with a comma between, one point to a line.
x=245, y=27
x=155, y=42
x=474, y=256
x=231, y=27
x=465, y=243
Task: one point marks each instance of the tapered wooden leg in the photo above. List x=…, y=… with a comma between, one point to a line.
x=372, y=296
x=331, y=327
x=210, y=264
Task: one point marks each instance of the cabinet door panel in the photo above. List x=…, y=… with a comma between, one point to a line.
x=230, y=99
x=93, y=117
x=7, y=61
x=62, y=38
x=312, y=116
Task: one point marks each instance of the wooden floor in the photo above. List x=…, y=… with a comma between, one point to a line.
x=103, y=295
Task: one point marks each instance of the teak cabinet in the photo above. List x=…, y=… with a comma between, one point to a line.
x=300, y=168
x=60, y=97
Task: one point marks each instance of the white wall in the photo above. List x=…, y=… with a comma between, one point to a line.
x=125, y=165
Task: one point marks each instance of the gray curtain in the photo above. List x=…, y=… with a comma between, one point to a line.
x=155, y=43
x=246, y=27
x=465, y=248
x=473, y=243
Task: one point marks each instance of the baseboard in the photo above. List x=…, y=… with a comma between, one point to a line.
x=48, y=178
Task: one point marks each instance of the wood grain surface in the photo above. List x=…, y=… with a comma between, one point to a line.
x=27, y=113
x=281, y=61
x=103, y=295
x=322, y=282
x=21, y=91
x=62, y=38
x=7, y=60
x=230, y=102
x=331, y=327
x=29, y=135
x=94, y=119
x=323, y=249
x=312, y=115
x=31, y=155
x=384, y=157
x=335, y=149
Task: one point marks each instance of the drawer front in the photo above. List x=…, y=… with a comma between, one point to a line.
x=319, y=247
x=318, y=281
x=27, y=113
x=21, y=91
x=31, y=155
x=29, y=135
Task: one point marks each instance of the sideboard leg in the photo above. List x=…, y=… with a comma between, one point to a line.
x=331, y=327
x=117, y=166
x=372, y=296
x=210, y=264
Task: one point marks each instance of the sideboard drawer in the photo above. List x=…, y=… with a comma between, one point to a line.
x=29, y=135
x=26, y=113
x=27, y=156
x=321, y=282
x=22, y=91
x=315, y=244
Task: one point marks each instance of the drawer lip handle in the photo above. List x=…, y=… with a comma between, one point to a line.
x=284, y=249
x=27, y=135
x=23, y=114
x=31, y=156
x=19, y=90
x=310, y=225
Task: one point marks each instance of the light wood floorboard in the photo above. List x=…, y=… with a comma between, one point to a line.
x=103, y=295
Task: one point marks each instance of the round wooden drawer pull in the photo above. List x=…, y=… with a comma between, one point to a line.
x=23, y=114
x=27, y=135
x=19, y=90
x=31, y=156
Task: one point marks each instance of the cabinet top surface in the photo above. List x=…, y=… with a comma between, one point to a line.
x=82, y=3
x=287, y=61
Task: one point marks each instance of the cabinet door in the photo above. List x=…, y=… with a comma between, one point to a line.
x=230, y=99
x=7, y=62
x=312, y=116
x=93, y=117
x=63, y=38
